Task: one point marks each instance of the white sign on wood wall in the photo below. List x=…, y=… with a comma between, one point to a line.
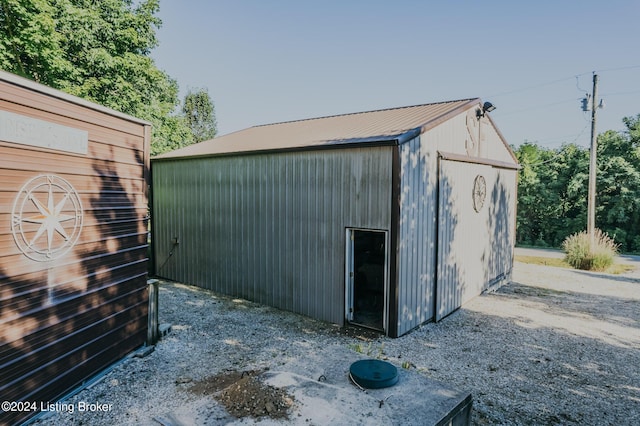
x=24, y=130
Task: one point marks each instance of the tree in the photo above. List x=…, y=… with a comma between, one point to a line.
x=97, y=50
x=618, y=188
x=199, y=114
x=553, y=184
x=539, y=196
x=30, y=46
x=529, y=217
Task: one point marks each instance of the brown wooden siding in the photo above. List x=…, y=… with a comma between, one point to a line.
x=64, y=320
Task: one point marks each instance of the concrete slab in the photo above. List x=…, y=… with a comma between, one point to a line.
x=325, y=395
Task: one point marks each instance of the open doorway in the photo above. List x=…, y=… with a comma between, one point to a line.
x=366, y=272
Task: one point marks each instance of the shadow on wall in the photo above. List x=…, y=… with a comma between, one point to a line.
x=54, y=339
x=451, y=283
x=500, y=251
x=475, y=250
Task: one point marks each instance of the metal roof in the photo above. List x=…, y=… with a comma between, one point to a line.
x=386, y=125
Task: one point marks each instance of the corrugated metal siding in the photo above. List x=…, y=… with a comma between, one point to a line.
x=475, y=249
x=463, y=252
x=269, y=227
x=417, y=236
x=63, y=320
x=418, y=215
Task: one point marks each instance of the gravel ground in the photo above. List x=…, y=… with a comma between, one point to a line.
x=556, y=346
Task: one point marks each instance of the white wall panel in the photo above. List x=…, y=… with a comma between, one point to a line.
x=475, y=247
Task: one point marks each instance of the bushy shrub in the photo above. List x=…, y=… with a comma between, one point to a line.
x=580, y=255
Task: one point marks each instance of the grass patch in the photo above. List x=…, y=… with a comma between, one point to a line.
x=595, y=253
x=544, y=261
x=616, y=268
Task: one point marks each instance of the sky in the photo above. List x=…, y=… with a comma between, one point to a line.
x=279, y=60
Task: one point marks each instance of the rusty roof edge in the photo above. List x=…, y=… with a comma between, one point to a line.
x=49, y=91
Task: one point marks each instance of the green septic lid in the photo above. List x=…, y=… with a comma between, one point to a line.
x=373, y=373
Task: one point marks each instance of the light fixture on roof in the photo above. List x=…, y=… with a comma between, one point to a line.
x=486, y=107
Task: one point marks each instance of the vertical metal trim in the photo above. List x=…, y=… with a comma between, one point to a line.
x=436, y=272
x=152, y=317
x=152, y=240
x=394, y=234
x=348, y=275
x=387, y=283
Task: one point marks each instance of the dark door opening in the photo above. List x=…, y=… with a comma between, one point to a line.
x=367, y=271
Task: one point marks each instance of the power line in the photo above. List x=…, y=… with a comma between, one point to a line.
x=560, y=139
x=538, y=107
x=618, y=69
x=581, y=132
x=548, y=83
x=621, y=93
x=578, y=85
x=559, y=152
x=577, y=82
x=528, y=88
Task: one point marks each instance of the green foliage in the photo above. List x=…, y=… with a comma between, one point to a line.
x=199, y=114
x=97, y=50
x=553, y=185
x=30, y=46
x=369, y=350
x=581, y=254
x=552, y=192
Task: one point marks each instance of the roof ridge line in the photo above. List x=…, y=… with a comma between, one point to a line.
x=363, y=112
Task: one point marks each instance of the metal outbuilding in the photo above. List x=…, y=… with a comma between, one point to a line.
x=385, y=219
x=73, y=242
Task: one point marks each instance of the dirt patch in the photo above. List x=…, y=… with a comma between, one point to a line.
x=243, y=394
x=359, y=333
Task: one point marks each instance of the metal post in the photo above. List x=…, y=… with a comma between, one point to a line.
x=152, y=319
x=591, y=200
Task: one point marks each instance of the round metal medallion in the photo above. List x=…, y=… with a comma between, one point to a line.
x=46, y=219
x=479, y=192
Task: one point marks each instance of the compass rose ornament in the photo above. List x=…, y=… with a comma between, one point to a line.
x=46, y=219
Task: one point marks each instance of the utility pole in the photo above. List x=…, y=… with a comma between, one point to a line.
x=591, y=200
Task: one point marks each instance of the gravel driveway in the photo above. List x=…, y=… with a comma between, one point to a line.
x=556, y=346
